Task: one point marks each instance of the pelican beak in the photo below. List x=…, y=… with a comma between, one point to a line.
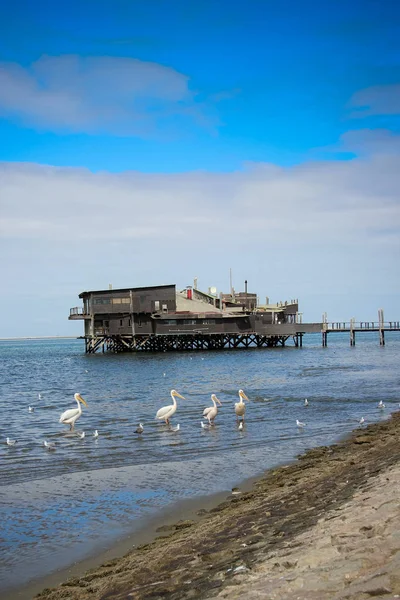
x=82, y=400
x=218, y=400
x=179, y=396
x=243, y=395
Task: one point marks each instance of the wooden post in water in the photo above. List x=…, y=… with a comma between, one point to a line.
x=324, y=330
x=381, y=327
x=352, y=332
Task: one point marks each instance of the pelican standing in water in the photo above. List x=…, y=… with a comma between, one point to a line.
x=166, y=412
x=70, y=416
x=240, y=407
x=211, y=411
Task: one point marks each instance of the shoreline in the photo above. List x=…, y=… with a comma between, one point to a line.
x=203, y=552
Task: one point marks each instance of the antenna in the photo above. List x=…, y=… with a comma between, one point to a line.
x=230, y=281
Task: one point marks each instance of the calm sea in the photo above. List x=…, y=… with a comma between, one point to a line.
x=60, y=507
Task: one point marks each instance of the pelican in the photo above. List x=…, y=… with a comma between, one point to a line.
x=306, y=402
x=49, y=445
x=10, y=442
x=31, y=408
x=381, y=405
x=140, y=429
x=300, y=424
x=70, y=416
x=211, y=411
x=166, y=412
x=240, y=407
x=96, y=434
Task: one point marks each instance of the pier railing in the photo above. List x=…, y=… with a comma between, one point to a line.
x=76, y=310
x=361, y=325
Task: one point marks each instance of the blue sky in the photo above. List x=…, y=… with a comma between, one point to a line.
x=267, y=128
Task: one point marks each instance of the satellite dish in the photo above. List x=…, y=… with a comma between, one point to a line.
x=213, y=290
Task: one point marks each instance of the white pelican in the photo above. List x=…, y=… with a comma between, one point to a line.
x=10, y=442
x=306, y=402
x=80, y=434
x=240, y=407
x=300, y=424
x=362, y=421
x=70, y=416
x=31, y=408
x=381, y=405
x=166, y=412
x=96, y=434
x=211, y=411
x=49, y=445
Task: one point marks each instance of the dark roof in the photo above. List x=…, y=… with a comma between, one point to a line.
x=133, y=289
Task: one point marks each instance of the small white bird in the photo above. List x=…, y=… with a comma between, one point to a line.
x=80, y=434
x=86, y=371
x=362, y=421
x=10, y=442
x=306, y=402
x=300, y=424
x=177, y=428
x=164, y=374
x=240, y=426
x=31, y=408
x=381, y=405
x=205, y=425
x=140, y=429
x=96, y=434
x=49, y=445
x=40, y=396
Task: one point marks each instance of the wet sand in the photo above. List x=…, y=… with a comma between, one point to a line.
x=326, y=526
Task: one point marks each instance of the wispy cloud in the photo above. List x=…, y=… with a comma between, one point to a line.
x=376, y=100
x=121, y=96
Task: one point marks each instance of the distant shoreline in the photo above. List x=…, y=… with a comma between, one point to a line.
x=44, y=337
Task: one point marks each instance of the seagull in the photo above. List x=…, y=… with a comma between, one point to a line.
x=362, y=421
x=240, y=426
x=96, y=434
x=40, y=396
x=300, y=424
x=381, y=405
x=306, y=402
x=205, y=425
x=31, y=408
x=164, y=374
x=10, y=442
x=177, y=428
x=49, y=445
x=81, y=435
x=140, y=429
x=86, y=371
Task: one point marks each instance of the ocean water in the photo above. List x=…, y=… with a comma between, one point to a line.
x=63, y=506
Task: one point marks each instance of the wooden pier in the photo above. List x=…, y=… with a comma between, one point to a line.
x=352, y=327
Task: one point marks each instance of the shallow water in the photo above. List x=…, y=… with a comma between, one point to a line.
x=59, y=507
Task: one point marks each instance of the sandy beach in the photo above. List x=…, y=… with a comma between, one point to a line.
x=326, y=526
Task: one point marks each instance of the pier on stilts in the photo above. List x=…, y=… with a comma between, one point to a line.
x=352, y=327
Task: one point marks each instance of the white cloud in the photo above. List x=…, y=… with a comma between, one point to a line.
x=376, y=100
x=123, y=96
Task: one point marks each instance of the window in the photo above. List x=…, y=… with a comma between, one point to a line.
x=165, y=308
x=189, y=322
x=120, y=300
x=156, y=305
x=209, y=322
x=120, y=322
x=139, y=322
x=106, y=323
x=102, y=300
x=129, y=323
x=169, y=321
